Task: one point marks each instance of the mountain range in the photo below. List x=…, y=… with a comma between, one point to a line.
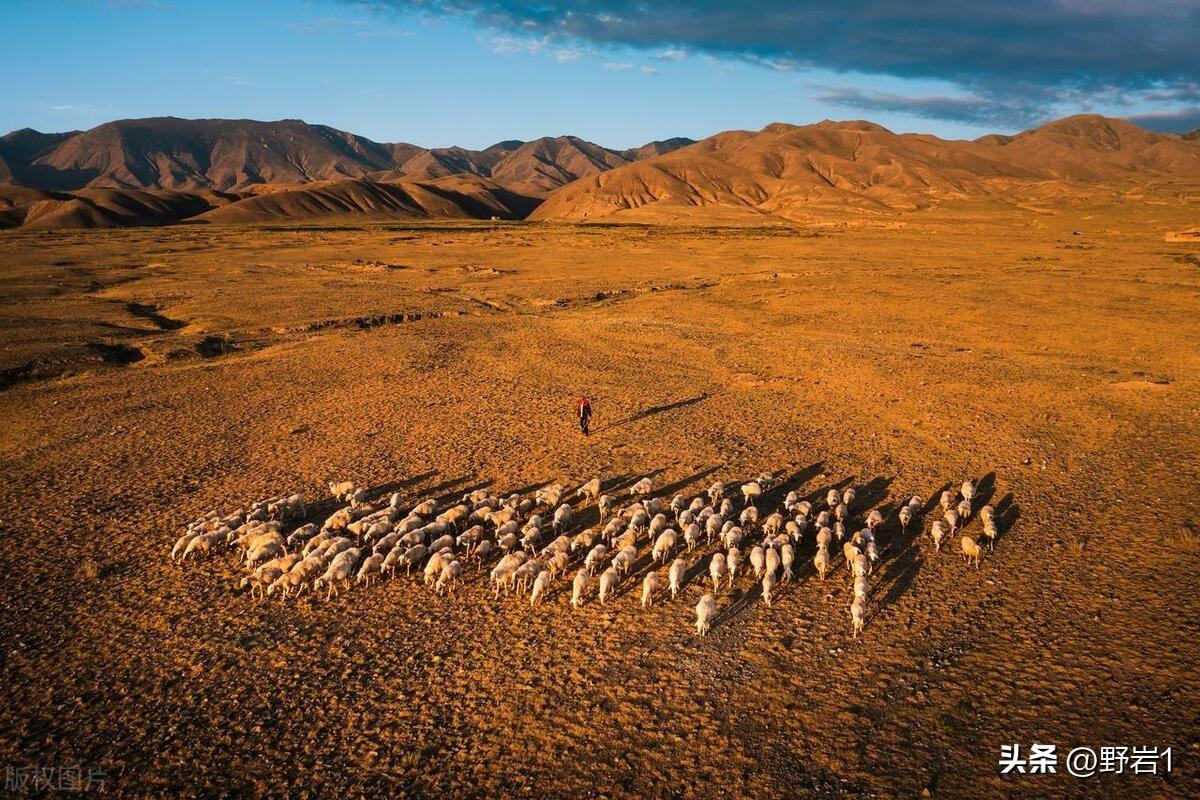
x=167, y=170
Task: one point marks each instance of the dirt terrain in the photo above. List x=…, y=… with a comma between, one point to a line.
x=153, y=374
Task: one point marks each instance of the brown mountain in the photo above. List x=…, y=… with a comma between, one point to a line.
x=169, y=153
x=159, y=171
x=180, y=154
x=656, y=148
x=1094, y=148
x=796, y=172
x=452, y=197
x=102, y=207
x=543, y=165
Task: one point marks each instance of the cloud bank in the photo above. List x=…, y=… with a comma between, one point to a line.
x=1014, y=62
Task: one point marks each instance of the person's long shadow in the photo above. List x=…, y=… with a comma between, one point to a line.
x=649, y=412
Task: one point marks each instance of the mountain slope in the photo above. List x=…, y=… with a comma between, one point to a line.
x=656, y=148
x=453, y=197
x=795, y=172
x=169, y=153
x=102, y=207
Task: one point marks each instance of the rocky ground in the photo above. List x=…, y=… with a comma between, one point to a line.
x=152, y=374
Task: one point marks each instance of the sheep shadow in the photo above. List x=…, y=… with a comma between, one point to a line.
x=817, y=495
x=873, y=492
x=897, y=578
x=985, y=490
x=682, y=483
x=934, y=500
x=654, y=410
x=1007, y=513
x=740, y=604
x=384, y=489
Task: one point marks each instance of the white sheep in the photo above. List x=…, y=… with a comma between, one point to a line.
x=768, y=585
x=733, y=560
x=579, y=586
x=773, y=524
x=589, y=490
x=412, y=557
x=874, y=519
x=706, y=611
x=948, y=500
x=450, y=575
x=371, y=567
x=952, y=520
x=987, y=513
x=676, y=576
x=608, y=583
x=541, y=585
x=503, y=573
x=341, y=491
x=181, y=544
x=716, y=570
x=772, y=561
x=990, y=531
x=758, y=560
x=562, y=517
x=716, y=492
x=824, y=537
x=971, y=550
x=663, y=546
x=821, y=561
x=938, y=532
x=858, y=615
x=595, y=556
x=691, y=536
x=964, y=510
x=624, y=560
x=905, y=514
x=751, y=492
x=848, y=497
x=641, y=489
x=749, y=517
x=832, y=498
x=712, y=526
x=649, y=587
x=860, y=586
x=968, y=491
x=605, y=504
x=338, y=572
x=787, y=557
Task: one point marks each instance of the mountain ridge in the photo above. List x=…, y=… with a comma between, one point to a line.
x=164, y=170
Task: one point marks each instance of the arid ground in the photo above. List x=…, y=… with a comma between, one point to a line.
x=153, y=374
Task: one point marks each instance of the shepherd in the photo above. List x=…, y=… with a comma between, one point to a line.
x=585, y=414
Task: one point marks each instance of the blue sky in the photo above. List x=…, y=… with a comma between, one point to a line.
x=472, y=73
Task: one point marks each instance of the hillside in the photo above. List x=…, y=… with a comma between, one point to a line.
x=795, y=172
x=184, y=155
x=453, y=197
x=166, y=170
x=102, y=207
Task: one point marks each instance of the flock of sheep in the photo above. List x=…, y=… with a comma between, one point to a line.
x=526, y=541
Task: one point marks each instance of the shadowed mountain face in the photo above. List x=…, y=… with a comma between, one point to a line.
x=164, y=170
x=170, y=153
